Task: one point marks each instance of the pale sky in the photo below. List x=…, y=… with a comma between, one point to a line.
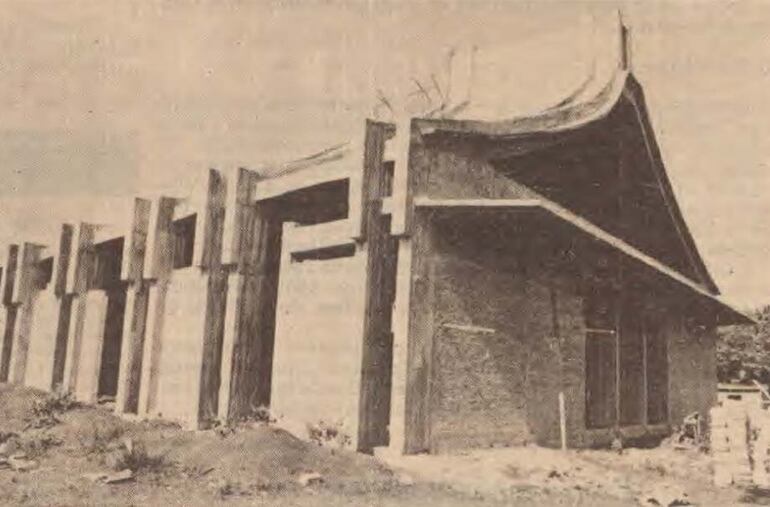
x=104, y=100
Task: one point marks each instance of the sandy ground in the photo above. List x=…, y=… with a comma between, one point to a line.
x=635, y=476
x=263, y=465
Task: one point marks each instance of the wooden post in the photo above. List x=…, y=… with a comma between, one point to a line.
x=562, y=421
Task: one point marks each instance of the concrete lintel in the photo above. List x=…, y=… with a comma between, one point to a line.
x=304, y=238
x=303, y=178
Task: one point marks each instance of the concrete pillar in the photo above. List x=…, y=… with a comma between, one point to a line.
x=158, y=267
x=25, y=293
x=135, y=315
x=42, y=345
x=9, y=310
x=401, y=305
x=77, y=280
x=50, y=314
x=91, y=342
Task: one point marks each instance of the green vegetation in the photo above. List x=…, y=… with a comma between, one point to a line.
x=743, y=352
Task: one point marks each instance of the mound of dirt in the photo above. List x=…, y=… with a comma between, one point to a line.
x=81, y=441
x=267, y=458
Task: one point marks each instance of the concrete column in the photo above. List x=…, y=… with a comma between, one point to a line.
x=10, y=311
x=92, y=339
x=401, y=305
x=135, y=315
x=45, y=333
x=25, y=293
x=81, y=259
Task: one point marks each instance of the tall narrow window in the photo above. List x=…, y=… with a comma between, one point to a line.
x=632, y=396
x=600, y=380
x=657, y=375
x=601, y=353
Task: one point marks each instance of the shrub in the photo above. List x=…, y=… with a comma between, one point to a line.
x=37, y=444
x=134, y=456
x=98, y=439
x=46, y=410
x=325, y=433
x=260, y=414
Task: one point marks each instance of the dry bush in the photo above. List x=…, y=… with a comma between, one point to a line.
x=46, y=410
x=98, y=439
x=135, y=457
x=326, y=433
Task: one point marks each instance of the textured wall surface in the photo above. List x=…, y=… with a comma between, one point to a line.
x=692, y=371
x=318, y=342
x=497, y=365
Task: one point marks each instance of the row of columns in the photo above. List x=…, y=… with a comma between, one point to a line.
x=215, y=301
x=53, y=318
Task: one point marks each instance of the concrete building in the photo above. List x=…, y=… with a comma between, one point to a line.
x=441, y=282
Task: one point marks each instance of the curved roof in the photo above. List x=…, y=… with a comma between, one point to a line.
x=588, y=105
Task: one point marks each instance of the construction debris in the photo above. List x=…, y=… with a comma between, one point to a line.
x=665, y=495
x=309, y=479
x=20, y=463
x=95, y=477
x=122, y=476
x=110, y=478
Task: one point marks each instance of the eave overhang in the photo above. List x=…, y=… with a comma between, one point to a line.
x=521, y=135
x=453, y=209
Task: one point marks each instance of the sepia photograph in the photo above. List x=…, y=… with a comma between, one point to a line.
x=384, y=253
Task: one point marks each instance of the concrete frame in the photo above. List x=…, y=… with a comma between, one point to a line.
x=198, y=341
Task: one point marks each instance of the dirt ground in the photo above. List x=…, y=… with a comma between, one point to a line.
x=65, y=448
